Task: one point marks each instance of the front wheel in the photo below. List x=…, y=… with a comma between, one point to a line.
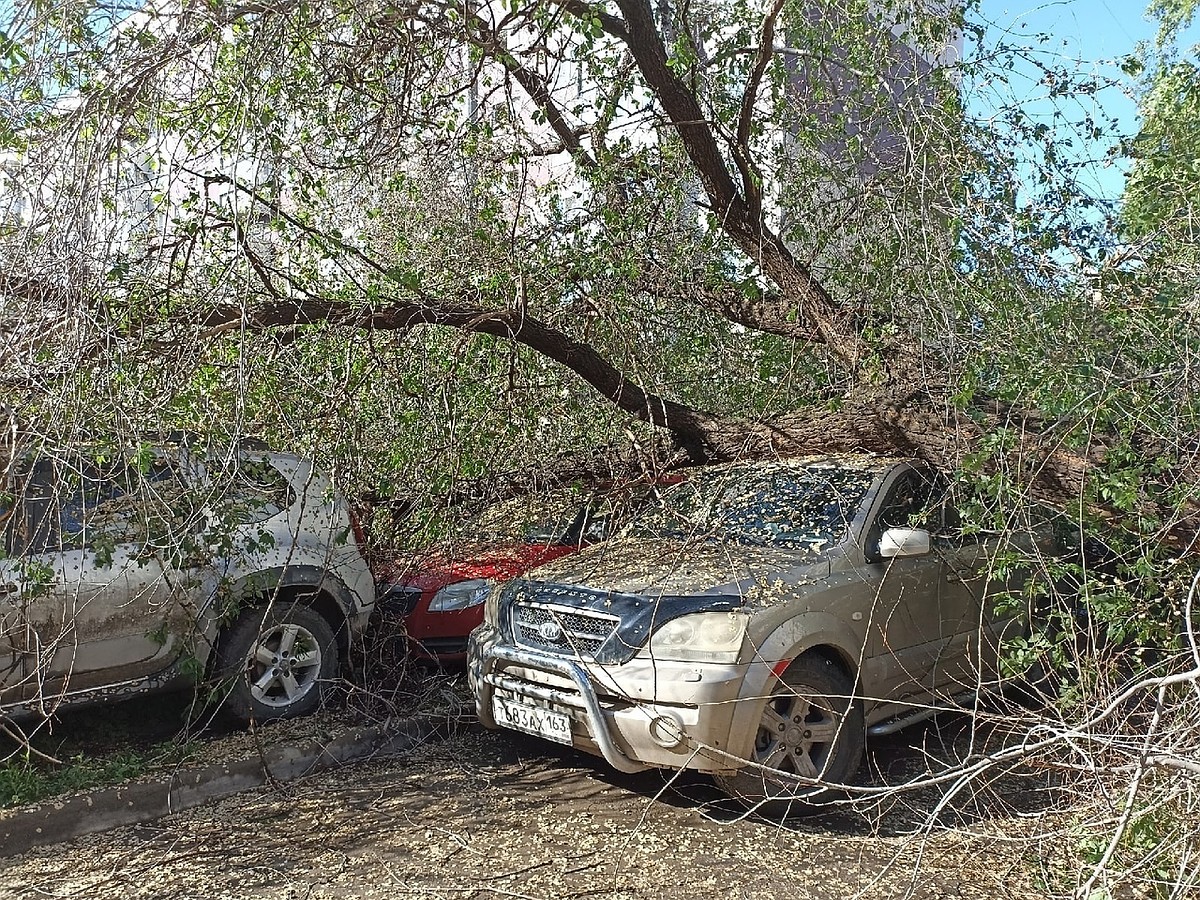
x=278, y=661
x=810, y=728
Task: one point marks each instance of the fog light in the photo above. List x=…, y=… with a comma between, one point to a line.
x=666, y=731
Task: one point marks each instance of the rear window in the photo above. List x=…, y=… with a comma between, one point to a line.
x=97, y=500
x=255, y=491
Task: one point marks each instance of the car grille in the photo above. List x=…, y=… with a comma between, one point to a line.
x=604, y=627
x=556, y=629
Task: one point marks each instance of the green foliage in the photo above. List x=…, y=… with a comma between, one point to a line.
x=96, y=748
x=1164, y=184
x=1150, y=844
x=1173, y=16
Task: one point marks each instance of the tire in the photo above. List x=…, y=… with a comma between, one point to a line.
x=810, y=727
x=259, y=652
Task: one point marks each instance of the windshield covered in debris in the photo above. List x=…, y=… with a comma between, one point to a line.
x=807, y=507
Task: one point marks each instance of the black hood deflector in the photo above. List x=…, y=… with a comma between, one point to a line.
x=640, y=616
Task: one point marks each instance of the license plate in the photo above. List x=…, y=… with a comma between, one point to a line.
x=547, y=723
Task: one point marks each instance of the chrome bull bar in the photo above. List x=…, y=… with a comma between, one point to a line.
x=585, y=700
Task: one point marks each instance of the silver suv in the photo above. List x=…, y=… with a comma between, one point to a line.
x=139, y=571
x=757, y=625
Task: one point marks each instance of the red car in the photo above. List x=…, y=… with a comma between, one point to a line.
x=441, y=596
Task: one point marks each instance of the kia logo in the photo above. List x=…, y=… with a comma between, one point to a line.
x=550, y=632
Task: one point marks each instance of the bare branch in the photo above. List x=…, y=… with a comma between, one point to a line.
x=741, y=150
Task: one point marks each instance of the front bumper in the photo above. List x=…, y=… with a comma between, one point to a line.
x=641, y=714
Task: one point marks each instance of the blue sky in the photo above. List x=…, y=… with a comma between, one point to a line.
x=1091, y=35
x=1095, y=29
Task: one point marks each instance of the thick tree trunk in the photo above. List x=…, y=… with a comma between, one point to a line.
x=880, y=420
x=932, y=429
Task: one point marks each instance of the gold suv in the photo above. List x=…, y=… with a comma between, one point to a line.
x=758, y=624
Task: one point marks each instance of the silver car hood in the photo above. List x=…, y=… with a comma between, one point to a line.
x=656, y=567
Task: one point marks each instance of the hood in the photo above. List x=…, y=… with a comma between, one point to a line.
x=670, y=567
x=499, y=563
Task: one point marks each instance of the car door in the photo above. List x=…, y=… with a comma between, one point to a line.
x=12, y=672
x=971, y=584
x=905, y=639
x=99, y=598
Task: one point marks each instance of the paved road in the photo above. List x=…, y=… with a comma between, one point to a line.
x=499, y=816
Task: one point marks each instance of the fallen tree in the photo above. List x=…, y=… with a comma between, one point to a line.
x=422, y=241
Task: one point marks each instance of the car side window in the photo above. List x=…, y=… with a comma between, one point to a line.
x=904, y=506
x=946, y=526
x=104, y=504
x=30, y=528
x=906, y=500
x=89, y=504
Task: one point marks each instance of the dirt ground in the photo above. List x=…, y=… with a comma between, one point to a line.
x=483, y=815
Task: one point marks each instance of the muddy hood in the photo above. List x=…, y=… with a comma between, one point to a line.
x=660, y=567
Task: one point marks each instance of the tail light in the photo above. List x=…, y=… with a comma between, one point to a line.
x=360, y=534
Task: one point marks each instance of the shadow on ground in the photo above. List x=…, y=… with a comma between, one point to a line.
x=907, y=783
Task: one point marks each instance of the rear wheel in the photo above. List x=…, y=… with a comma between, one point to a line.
x=811, y=735
x=278, y=660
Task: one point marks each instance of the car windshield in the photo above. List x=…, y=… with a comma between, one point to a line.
x=807, y=507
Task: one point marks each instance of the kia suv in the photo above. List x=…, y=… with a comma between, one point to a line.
x=757, y=625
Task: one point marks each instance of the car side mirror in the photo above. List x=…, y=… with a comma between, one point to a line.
x=898, y=542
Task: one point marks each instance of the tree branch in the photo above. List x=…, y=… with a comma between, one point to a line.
x=741, y=149
x=690, y=427
x=736, y=217
x=536, y=89
x=763, y=311
x=611, y=24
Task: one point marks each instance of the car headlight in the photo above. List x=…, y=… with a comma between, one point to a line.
x=491, y=605
x=460, y=595
x=700, y=637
